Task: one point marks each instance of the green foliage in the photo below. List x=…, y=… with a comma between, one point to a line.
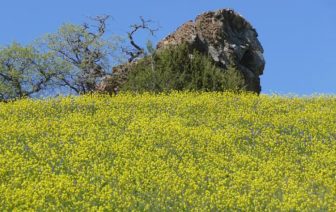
x=179, y=68
x=24, y=71
x=87, y=52
x=233, y=80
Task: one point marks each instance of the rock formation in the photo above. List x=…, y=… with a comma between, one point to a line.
x=227, y=37
x=111, y=83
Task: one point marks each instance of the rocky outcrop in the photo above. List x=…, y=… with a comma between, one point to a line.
x=224, y=35
x=228, y=38
x=111, y=83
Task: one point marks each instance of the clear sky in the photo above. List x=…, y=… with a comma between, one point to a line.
x=299, y=36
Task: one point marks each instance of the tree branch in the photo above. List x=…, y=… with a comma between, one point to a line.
x=138, y=51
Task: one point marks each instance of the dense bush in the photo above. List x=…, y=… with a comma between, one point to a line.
x=179, y=68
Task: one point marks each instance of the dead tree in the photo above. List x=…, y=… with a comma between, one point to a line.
x=136, y=51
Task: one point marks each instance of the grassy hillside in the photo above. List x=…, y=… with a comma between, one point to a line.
x=178, y=151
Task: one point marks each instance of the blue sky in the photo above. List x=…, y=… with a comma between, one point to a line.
x=299, y=36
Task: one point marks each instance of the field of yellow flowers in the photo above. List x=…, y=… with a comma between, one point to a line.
x=177, y=151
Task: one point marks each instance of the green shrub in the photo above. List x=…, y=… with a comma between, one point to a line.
x=179, y=68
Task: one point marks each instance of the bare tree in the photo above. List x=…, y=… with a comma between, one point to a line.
x=136, y=51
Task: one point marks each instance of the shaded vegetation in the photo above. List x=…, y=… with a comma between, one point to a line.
x=179, y=68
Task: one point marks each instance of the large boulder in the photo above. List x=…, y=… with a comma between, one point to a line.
x=224, y=35
x=228, y=38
